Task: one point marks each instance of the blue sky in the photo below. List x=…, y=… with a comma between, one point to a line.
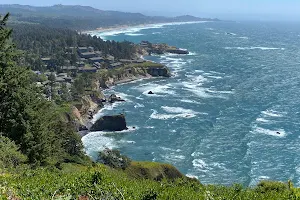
x=228, y=9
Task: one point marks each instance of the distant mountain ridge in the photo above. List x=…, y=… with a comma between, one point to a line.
x=84, y=17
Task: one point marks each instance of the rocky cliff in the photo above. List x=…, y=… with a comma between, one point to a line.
x=134, y=72
x=84, y=110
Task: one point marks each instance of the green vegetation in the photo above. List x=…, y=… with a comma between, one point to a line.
x=41, y=155
x=114, y=159
x=100, y=182
x=38, y=41
x=26, y=117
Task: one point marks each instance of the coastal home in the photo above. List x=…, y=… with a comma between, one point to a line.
x=81, y=50
x=47, y=61
x=87, y=70
x=91, y=49
x=96, y=59
x=59, y=80
x=69, y=68
x=97, y=65
x=70, y=50
x=88, y=55
x=115, y=65
x=99, y=53
x=68, y=79
x=109, y=59
x=62, y=75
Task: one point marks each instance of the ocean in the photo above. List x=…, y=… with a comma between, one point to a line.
x=229, y=114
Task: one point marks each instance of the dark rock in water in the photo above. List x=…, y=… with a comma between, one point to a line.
x=114, y=98
x=82, y=128
x=278, y=133
x=110, y=123
x=150, y=92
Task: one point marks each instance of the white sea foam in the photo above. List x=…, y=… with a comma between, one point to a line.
x=178, y=110
x=228, y=33
x=134, y=34
x=158, y=90
x=192, y=54
x=124, y=96
x=189, y=101
x=246, y=38
x=199, y=164
x=107, y=107
x=138, y=105
x=255, y=48
x=219, y=92
x=272, y=113
x=215, y=77
x=134, y=29
x=155, y=115
x=149, y=127
x=276, y=133
x=262, y=120
x=192, y=176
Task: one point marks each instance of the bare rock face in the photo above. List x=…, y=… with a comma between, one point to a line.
x=110, y=123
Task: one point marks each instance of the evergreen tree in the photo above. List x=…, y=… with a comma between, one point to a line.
x=26, y=117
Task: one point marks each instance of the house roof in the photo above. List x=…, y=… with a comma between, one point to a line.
x=46, y=59
x=116, y=64
x=88, y=53
x=96, y=58
x=68, y=68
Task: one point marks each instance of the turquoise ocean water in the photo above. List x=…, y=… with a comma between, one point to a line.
x=219, y=117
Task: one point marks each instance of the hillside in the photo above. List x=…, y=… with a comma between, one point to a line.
x=83, y=17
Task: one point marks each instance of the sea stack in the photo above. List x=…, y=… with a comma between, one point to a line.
x=110, y=123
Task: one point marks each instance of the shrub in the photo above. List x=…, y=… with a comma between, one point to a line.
x=114, y=159
x=9, y=153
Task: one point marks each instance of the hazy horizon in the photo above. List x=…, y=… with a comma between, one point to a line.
x=231, y=9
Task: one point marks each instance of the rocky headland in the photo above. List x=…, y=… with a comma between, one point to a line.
x=148, y=48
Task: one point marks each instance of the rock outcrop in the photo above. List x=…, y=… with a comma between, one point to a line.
x=114, y=98
x=110, y=123
x=158, y=71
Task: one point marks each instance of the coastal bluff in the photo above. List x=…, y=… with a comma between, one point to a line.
x=110, y=123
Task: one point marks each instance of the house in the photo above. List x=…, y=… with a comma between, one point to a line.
x=87, y=69
x=99, y=53
x=115, y=65
x=110, y=59
x=47, y=61
x=81, y=50
x=62, y=75
x=80, y=64
x=68, y=68
x=87, y=55
x=97, y=65
x=59, y=80
x=68, y=80
x=91, y=49
x=96, y=59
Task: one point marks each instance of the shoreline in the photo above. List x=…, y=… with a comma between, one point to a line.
x=127, y=27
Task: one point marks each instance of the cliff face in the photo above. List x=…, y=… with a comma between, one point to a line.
x=136, y=72
x=83, y=112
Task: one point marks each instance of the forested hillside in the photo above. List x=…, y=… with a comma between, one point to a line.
x=83, y=17
x=41, y=41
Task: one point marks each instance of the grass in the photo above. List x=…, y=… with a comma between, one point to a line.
x=101, y=182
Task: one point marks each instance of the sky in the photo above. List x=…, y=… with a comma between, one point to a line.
x=225, y=9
